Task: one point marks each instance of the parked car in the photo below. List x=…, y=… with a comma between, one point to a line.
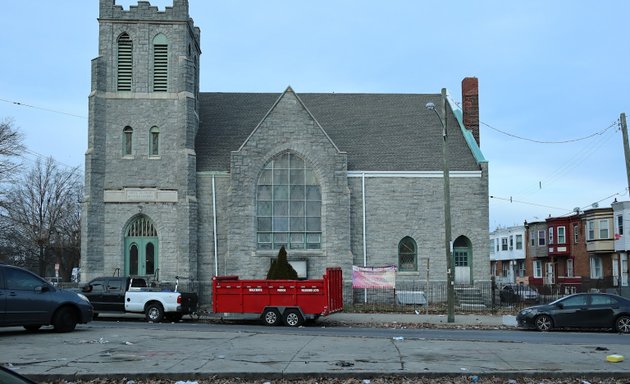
x=516, y=293
x=8, y=376
x=30, y=301
x=580, y=310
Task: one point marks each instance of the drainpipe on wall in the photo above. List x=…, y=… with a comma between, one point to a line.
x=214, y=227
x=364, y=235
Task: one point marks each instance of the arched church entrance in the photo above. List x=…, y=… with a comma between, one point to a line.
x=462, y=255
x=141, y=247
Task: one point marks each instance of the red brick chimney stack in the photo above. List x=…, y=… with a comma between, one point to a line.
x=470, y=101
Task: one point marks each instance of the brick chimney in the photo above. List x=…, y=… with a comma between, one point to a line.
x=470, y=105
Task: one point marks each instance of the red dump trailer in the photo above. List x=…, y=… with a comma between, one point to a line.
x=279, y=301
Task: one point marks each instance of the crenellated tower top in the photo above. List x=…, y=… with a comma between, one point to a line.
x=144, y=11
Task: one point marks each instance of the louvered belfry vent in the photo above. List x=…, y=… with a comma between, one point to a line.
x=125, y=62
x=160, y=68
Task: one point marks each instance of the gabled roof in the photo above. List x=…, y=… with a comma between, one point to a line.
x=379, y=132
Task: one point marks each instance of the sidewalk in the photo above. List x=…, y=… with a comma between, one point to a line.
x=393, y=319
x=202, y=350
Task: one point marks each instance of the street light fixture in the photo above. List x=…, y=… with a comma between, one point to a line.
x=450, y=289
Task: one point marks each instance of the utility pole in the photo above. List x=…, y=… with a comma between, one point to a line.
x=626, y=149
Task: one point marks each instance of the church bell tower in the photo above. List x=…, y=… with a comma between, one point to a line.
x=139, y=214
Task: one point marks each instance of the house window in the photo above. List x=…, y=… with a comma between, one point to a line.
x=596, y=267
x=154, y=141
x=125, y=63
x=603, y=229
x=521, y=268
x=561, y=235
x=590, y=230
x=127, y=141
x=504, y=244
x=160, y=63
x=519, y=241
x=620, y=225
x=569, y=267
x=511, y=243
x=407, y=255
x=504, y=268
x=288, y=205
x=576, y=233
x=541, y=238
x=532, y=238
x=537, y=269
x=491, y=245
x=550, y=235
x=497, y=243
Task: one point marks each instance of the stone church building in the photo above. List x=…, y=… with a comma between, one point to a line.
x=181, y=182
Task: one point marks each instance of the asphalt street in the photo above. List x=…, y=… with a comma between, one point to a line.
x=132, y=349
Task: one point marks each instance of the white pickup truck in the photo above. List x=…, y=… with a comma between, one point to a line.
x=132, y=294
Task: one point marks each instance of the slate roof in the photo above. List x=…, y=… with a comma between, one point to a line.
x=379, y=132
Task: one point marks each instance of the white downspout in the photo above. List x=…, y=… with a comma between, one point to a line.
x=214, y=227
x=364, y=235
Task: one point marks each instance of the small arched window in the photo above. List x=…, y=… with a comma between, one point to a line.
x=154, y=141
x=127, y=141
x=160, y=63
x=407, y=255
x=125, y=63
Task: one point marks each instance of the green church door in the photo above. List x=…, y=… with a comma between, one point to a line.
x=141, y=247
x=141, y=255
x=462, y=260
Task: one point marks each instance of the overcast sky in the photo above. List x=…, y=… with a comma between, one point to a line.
x=550, y=73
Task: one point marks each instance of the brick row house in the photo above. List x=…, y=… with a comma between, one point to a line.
x=577, y=253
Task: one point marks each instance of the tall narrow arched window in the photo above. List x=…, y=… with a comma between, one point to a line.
x=125, y=63
x=127, y=141
x=288, y=205
x=154, y=141
x=407, y=255
x=160, y=63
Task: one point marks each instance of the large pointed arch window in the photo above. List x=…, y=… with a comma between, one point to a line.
x=407, y=255
x=288, y=205
x=160, y=63
x=125, y=63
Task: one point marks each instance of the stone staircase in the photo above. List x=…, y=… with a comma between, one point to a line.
x=468, y=297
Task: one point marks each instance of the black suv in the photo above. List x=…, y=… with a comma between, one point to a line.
x=30, y=301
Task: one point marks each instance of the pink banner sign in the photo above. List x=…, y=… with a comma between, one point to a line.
x=373, y=277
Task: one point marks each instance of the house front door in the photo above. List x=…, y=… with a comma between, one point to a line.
x=549, y=279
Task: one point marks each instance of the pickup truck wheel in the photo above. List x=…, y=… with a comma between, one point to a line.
x=64, y=320
x=292, y=318
x=271, y=316
x=154, y=312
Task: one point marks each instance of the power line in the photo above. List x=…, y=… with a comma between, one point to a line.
x=552, y=142
x=42, y=109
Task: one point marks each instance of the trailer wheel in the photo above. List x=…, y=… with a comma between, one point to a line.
x=154, y=312
x=271, y=316
x=292, y=318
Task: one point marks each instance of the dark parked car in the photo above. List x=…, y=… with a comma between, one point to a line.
x=30, y=301
x=8, y=376
x=517, y=293
x=581, y=310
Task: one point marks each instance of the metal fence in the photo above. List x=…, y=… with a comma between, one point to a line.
x=432, y=297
